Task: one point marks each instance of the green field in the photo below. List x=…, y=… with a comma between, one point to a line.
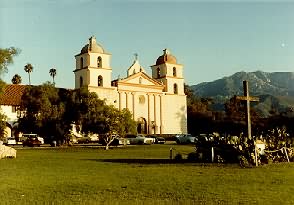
x=136, y=175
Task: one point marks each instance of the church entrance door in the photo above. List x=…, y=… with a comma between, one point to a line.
x=142, y=126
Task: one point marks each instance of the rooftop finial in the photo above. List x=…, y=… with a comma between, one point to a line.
x=92, y=41
x=136, y=56
x=166, y=51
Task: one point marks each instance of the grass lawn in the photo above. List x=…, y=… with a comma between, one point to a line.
x=136, y=175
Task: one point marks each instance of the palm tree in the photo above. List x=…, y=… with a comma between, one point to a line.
x=16, y=79
x=29, y=68
x=52, y=72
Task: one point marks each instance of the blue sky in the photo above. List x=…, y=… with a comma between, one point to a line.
x=212, y=39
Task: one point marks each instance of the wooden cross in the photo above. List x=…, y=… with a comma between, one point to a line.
x=248, y=99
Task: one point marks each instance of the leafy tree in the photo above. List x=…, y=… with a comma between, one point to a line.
x=128, y=125
x=236, y=116
x=16, y=79
x=198, y=113
x=116, y=123
x=52, y=73
x=43, y=111
x=6, y=57
x=89, y=111
x=29, y=68
x=235, y=110
x=96, y=117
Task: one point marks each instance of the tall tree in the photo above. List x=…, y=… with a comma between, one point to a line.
x=52, y=73
x=16, y=79
x=199, y=116
x=29, y=68
x=6, y=57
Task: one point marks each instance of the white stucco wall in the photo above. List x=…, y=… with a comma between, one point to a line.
x=105, y=60
x=110, y=95
x=7, y=110
x=105, y=73
x=174, y=114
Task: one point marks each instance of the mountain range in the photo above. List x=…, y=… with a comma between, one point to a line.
x=275, y=90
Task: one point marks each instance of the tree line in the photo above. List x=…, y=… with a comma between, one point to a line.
x=50, y=112
x=202, y=118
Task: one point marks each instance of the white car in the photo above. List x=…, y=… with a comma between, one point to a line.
x=10, y=141
x=41, y=139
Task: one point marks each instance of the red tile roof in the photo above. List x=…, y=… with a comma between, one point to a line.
x=11, y=94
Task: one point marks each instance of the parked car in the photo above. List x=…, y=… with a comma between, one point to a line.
x=24, y=137
x=9, y=141
x=41, y=139
x=157, y=139
x=32, y=142
x=140, y=139
x=185, y=139
x=116, y=141
x=88, y=139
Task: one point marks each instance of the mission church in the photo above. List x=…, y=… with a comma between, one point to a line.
x=158, y=102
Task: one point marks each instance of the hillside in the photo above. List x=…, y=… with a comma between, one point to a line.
x=276, y=90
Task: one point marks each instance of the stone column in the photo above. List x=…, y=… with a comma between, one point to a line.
x=160, y=106
x=155, y=121
x=149, y=122
x=133, y=94
x=127, y=104
x=119, y=101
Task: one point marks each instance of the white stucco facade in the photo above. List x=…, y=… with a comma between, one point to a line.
x=157, y=102
x=11, y=117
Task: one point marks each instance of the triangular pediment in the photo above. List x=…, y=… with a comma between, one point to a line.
x=140, y=79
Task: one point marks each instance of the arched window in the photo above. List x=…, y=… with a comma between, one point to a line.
x=158, y=72
x=174, y=72
x=81, y=63
x=99, y=62
x=81, y=81
x=100, y=80
x=175, y=88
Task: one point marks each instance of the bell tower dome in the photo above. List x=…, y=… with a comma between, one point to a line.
x=169, y=72
x=93, y=66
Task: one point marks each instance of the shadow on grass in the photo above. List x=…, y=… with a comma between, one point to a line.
x=141, y=161
x=160, y=161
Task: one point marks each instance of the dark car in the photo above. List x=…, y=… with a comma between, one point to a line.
x=159, y=140
x=32, y=142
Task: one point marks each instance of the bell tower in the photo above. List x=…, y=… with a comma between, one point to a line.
x=169, y=72
x=93, y=66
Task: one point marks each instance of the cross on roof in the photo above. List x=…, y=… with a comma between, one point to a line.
x=248, y=99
